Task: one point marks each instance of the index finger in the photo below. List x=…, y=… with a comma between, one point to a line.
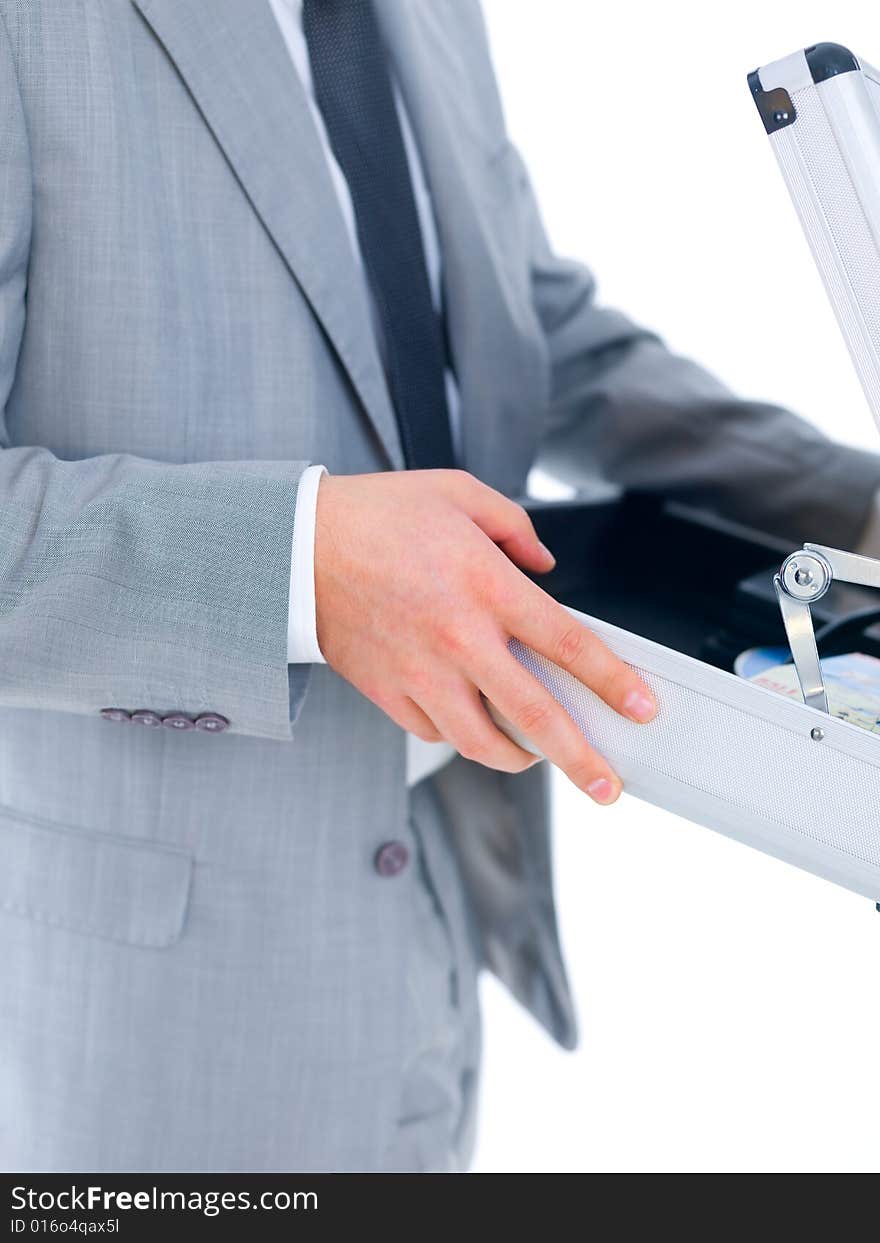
x=544, y=625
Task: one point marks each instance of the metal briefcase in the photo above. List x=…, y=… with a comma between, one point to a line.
x=780, y=775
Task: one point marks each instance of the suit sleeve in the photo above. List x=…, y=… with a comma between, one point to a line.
x=650, y=420
x=125, y=582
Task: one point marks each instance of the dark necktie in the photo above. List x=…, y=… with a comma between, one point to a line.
x=354, y=93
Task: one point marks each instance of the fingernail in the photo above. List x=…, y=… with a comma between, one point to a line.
x=640, y=707
x=547, y=553
x=602, y=790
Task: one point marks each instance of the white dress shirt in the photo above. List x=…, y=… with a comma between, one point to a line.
x=423, y=758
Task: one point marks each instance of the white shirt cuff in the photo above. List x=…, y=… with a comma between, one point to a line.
x=302, y=630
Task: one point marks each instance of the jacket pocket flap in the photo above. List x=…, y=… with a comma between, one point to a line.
x=130, y=891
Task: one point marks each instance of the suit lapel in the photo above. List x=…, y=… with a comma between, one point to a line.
x=233, y=60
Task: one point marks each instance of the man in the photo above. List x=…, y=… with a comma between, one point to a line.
x=245, y=894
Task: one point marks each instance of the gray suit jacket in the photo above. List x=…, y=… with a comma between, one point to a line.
x=200, y=967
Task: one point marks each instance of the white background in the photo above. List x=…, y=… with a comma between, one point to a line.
x=729, y=1004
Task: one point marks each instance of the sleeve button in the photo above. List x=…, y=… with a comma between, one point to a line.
x=211, y=723
x=144, y=716
x=115, y=714
x=177, y=720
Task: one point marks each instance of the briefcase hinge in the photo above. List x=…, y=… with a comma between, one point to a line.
x=774, y=107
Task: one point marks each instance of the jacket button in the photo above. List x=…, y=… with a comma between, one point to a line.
x=391, y=858
x=144, y=716
x=212, y=723
x=176, y=720
x=115, y=714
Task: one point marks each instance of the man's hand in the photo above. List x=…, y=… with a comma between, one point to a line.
x=417, y=595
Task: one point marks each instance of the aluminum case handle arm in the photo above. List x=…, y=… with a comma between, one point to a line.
x=848, y=567
x=805, y=577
